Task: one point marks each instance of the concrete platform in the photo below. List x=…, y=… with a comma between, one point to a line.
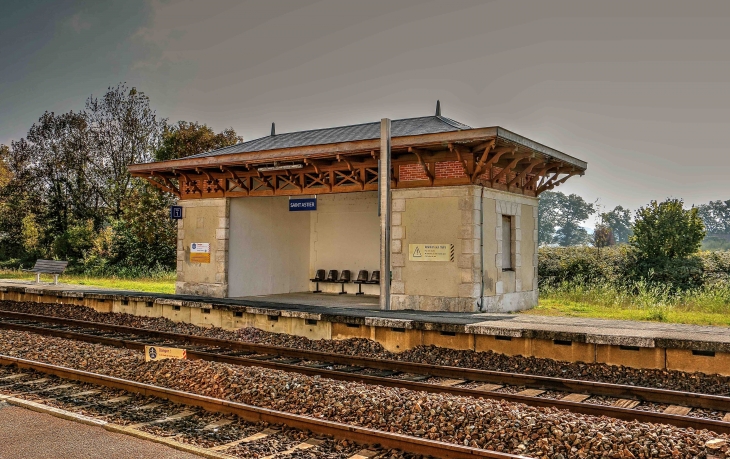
x=27, y=434
x=327, y=316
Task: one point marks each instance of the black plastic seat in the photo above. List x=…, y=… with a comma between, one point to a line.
x=375, y=278
x=331, y=276
x=318, y=277
x=344, y=279
x=362, y=278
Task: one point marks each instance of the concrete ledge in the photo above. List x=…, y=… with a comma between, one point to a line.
x=634, y=344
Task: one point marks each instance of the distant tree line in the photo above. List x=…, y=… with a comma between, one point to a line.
x=560, y=220
x=65, y=191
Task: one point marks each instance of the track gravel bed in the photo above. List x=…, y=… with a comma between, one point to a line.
x=664, y=379
x=491, y=424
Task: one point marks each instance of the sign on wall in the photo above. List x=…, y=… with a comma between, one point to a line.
x=301, y=204
x=431, y=252
x=200, y=252
x=176, y=212
x=162, y=353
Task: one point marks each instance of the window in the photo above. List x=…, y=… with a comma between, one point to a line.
x=506, y=243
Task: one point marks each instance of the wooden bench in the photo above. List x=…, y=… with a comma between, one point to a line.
x=54, y=267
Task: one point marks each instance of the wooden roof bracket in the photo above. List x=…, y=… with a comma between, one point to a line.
x=265, y=180
x=508, y=168
x=542, y=172
x=419, y=155
x=353, y=172
x=235, y=178
x=190, y=181
x=482, y=163
x=459, y=150
x=172, y=188
x=210, y=178
x=524, y=173
x=559, y=182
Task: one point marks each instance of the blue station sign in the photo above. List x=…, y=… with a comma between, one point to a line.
x=302, y=204
x=176, y=212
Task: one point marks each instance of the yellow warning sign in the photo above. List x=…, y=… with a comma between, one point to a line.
x=162, y=353
x=431, y=252
x=199, y=258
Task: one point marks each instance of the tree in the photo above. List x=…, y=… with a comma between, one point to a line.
x=716, y=217
x=603, y=237
x=619, y=220
x=559, y=218
x=547, y=217
x=187, y=139
x=667, y=231
x=124, y=130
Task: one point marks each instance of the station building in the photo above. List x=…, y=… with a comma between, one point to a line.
x=262, y=217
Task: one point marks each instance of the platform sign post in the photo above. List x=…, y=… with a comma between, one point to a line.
x=384, y=208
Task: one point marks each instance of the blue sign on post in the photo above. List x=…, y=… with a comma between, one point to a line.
x=297, y=205
x=176, y=212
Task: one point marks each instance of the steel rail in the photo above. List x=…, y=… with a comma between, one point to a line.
x=252, y=413
x=673, y=397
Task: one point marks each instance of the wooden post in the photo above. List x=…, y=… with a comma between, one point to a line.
x=384, y=210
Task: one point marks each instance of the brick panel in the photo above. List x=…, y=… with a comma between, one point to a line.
x=411, y=172
x=450, y=169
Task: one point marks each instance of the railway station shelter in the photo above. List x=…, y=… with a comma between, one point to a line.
x=293, y=212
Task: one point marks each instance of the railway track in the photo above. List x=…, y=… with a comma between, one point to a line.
x=172, y=413
x=586, y=397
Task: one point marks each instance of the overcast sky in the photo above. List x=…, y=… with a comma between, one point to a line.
x=638, y=89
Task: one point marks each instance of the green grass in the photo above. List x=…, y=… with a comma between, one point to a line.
x=706, y=306
x=160, y=284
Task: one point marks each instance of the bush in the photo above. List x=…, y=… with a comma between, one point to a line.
x=622, y=266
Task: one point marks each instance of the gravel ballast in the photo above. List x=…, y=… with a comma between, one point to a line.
x=490, y=424
x=664, y=379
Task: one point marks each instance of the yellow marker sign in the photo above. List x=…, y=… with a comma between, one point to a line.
x=162, y=353
x=431, y=252
x=199, y=258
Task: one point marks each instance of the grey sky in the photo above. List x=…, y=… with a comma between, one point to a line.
x=639, y=89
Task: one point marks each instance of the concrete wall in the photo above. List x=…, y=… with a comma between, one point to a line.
x=451, y=215
x=345, y=234
x=204, y=220
x=269, y=247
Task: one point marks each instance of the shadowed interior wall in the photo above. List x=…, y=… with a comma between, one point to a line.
x=269, y=247
x=345, y=234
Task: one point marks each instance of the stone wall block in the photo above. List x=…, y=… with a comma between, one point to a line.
x=222, y=233
x=469, y=290
x=396, y=218
x=465, y=261
x=398, y=205
x=397, y=260
x=397, y=274
x=397, y=287
x=396, y=246
x=398, y=232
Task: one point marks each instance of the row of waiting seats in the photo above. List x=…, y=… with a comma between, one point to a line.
x=344, y=278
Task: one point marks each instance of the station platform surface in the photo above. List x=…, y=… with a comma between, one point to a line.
x=364, y=310
x=27, y=434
